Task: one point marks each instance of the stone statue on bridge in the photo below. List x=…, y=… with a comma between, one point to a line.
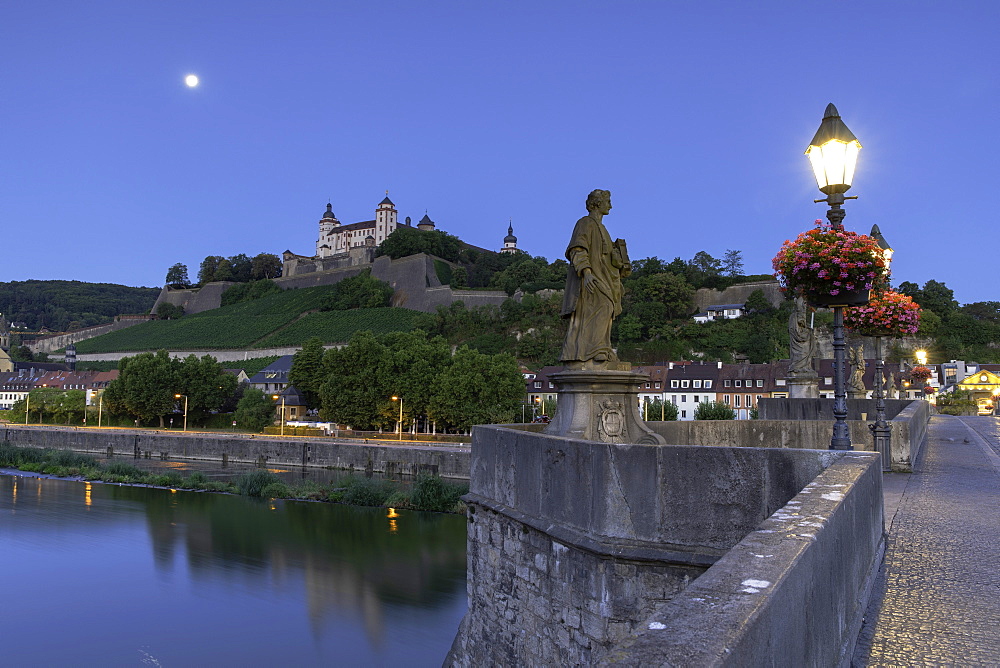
x=801, y=340
x=593, y=296
x=856, y=363
x=598, y=394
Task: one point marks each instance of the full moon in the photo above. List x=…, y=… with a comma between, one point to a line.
x=191, y=80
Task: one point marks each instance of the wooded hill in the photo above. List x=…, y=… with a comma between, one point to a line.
x=64, y=305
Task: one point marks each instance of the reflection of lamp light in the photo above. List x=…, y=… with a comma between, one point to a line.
x=833, y=154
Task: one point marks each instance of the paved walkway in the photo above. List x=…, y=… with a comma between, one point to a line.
x=937, y=598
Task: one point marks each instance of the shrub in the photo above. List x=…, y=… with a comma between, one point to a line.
x=124, y=470
x=430, y=492
x=255, y=482
x=714, y=410
x=366, y=491
x=276, y=490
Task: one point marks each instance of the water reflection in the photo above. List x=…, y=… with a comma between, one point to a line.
x=361, y=585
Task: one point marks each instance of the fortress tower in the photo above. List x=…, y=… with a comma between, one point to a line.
x=385, y=219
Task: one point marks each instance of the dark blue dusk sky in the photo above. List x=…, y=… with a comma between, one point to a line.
x=694, y=114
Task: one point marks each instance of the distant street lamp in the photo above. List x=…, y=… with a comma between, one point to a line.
x=921, y=356
x=282, y=397
x=833, y=153
x=400, y=400
x=178, y=396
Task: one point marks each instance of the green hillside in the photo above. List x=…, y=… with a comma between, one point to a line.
x=279, y=319
x=64, y=305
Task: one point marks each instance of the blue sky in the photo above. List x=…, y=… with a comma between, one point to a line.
x=695, y=114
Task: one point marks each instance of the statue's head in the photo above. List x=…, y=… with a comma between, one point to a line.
x=595, y=198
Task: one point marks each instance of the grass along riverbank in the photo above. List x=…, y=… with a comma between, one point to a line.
x=427, y=492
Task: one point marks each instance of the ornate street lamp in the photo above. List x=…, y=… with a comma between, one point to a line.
x=833, y=153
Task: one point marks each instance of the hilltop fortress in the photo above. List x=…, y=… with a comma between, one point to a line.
x=343, y=251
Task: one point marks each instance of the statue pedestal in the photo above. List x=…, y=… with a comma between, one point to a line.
x=601, y=404
x=803, y=387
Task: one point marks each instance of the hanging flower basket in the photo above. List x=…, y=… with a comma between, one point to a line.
x=888, y=313
x=831, y=267
x=920, y=373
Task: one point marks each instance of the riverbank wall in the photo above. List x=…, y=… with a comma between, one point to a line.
x=449, y=461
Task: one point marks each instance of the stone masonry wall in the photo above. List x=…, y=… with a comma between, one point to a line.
x=549, y=602
x=446, y=461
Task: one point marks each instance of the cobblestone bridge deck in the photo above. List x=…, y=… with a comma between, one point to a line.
x=937, y=598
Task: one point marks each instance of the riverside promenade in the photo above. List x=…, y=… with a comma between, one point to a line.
x=937, y=597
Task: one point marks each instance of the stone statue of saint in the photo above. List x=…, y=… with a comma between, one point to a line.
x=856, y=363
x=890, y=390
x=801, y=340
x=593, y=296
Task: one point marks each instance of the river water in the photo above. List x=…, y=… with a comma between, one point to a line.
x=108, y=575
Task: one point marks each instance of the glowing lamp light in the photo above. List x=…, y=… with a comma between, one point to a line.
x=833, y=154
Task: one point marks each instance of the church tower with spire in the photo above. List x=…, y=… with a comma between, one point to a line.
x=509, y=241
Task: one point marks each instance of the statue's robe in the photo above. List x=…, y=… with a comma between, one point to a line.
x=591, y=313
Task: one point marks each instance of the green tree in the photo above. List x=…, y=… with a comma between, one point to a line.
x=353, y=394
x=937, y=297
x=477, y=389
x=307, y=373
x=658, y=410
x=255, y=410
x=265, y=265
x=406, y=241
x=168, y=311
x=205, y=383
x=459, y=277
x=732, y=263
x=145, y=387
x=177, y=276
x=224, y=271
x=757, y=304
x=206, y=272
x=361, y=291
x=713, y=410
x=241, y=267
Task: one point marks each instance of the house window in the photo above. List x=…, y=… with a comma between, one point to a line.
x=725, y=399
x=684, y=383
x=696, y=398
x=749, y=402
x=708, y=384
x=828, y=381
x=779, y=381
x=760, y=383
x=739, y=383
x=684, y=414
x=673, y=383
x=673, y=399
x=736, y=397
x=696, y=383
x=538, y=384
x=551, y=386
x=727, y=382
x=647, y=386
x=684, y=398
